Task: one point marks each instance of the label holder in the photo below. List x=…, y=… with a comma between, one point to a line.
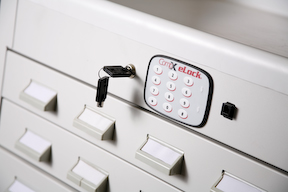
x=44, y=156
x=168, y=169
x=50, y=105
x=84, y=183
x=215, y=189
x=106, y=134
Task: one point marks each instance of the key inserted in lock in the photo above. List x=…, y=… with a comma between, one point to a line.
x=112, y=71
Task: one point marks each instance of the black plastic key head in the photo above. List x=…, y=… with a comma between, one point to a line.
x=117, y=71
x=102, y=91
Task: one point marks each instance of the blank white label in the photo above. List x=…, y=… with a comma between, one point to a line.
x=95, y=120
x=230, y=184
x=40, y=92
x=160, y=151
x=88, y=172
x=35, y=142
x=19, y=187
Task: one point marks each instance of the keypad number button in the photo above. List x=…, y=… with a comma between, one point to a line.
x=182, y=113
x=184, y=103
x=172, y=75
x=152, y=101
x=188, y=81
x=186, y=92
x=167, y=107
x=156, y=80
x=154, y=91
x=158, y=70
x=171, y=86
x=169, y=97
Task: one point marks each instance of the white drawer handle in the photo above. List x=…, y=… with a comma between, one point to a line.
x=161, y=156
x=18, y=186
x=88, y=176
x=34, y=146
x=94, y=123
x=228, y=182
x=39, y=96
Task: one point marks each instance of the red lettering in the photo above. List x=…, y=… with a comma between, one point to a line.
x=161, y=61
x=198, y=75
x=190, y=72
x=181, y=69
x=165, y=63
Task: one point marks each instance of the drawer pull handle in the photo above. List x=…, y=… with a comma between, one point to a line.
x=34, y=146
x=19, y=186
x=161, y=156
x=39, y=96
x=229, y=182
x=88, y=176
x=97, y=124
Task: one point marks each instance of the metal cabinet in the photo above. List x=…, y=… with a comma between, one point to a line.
x=50, y=59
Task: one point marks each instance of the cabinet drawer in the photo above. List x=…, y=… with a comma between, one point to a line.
x=66, y=148
x=12, y=167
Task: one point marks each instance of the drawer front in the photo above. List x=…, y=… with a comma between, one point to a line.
x=82, y=56
x=131, y=129
x=67, y=148
x=12, y=167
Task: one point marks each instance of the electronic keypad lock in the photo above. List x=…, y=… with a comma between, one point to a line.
x=178, y=90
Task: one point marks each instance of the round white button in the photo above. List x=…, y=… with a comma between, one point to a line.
x=186, y=92
x=182, y=113
x=169, y=97
x=154, y=90
x=152, y=101
x=158, y=70
x=173, y=75
x=156, y=80
x=184, y=103
x=167, y=107
x=188, y=81
x=171, y=86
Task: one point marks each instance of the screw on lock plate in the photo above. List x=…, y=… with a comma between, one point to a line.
x=115, y=72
